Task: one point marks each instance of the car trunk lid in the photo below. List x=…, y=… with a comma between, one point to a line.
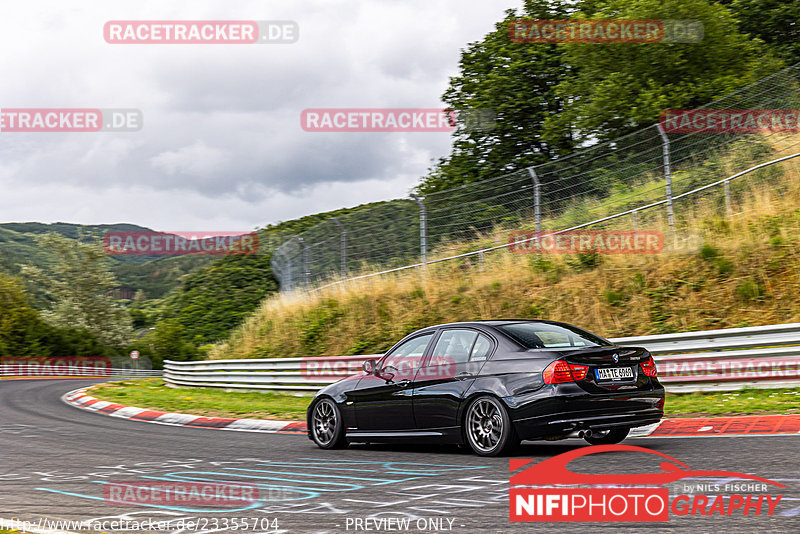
x=610, y=368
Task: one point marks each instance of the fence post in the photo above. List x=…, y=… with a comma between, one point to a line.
x=728, y=207
x=291, y=278
x=343, y=245
x=635, y=220
x=286, y=270
x=537, y=199
x=306, y=273
x=667, y=177
x=423, y=231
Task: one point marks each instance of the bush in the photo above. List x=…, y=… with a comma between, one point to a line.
x=586, y=261
x=725, y=266
x=708, y=252
x=749, y=290
x=614, y=298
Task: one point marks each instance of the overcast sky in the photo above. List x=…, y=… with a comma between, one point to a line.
x=222, y=147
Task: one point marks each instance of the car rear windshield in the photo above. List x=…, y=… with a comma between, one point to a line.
x=545, y=336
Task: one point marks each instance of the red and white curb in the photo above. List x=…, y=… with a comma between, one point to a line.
x=695, y=427
x=737, y=426
x=80, y=399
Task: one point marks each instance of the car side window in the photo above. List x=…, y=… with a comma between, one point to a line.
x=481, y=349
x=454, y=346
x=409, y=354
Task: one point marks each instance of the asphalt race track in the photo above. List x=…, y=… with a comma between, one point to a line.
x=56, y=460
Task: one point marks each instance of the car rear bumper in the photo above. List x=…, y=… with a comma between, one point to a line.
x=564, y=409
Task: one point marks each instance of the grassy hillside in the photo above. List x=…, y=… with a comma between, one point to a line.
x=737, y=270
x=203, y=297
x=158, y=277
x=155, y=276
x=213, y=300
x=218, y=296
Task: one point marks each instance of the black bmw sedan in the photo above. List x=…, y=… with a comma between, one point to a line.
x=489, y=385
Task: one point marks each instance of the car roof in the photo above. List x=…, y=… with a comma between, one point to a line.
x=494, y=322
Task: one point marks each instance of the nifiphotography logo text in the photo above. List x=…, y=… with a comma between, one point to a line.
x=547, y=491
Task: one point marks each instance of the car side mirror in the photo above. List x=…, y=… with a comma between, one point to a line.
x=370, y=366
x=388, y=373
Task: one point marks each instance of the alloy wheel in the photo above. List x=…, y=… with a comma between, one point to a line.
x=485, y=425
x=324, y=422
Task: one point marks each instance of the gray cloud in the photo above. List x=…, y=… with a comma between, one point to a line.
x=222, y=142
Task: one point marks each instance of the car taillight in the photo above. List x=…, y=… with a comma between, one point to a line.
x=559, y=372
x=649, y=367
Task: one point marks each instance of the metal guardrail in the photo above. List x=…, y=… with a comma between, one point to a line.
x=714, y=340
x=65, y=371
x=293, y=375
x=725, y=359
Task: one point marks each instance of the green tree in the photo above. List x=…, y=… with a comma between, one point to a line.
x=23, y=333
x=776, y=22
x=167, y=343
x=551, y=98
x=515, y=82
x=78, y=283
x=615, y=89
x=214, y=300
x=19, y=323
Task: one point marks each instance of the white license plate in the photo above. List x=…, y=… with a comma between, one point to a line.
x=614, y=373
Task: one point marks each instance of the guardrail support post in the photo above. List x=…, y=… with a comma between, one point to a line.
x=537, y=199
x=343, y=245
x=635, y=220
x=667, y=177
x=423, y=231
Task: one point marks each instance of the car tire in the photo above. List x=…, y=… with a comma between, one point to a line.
x=326, y=425
x=488, y=428
x=608, y=437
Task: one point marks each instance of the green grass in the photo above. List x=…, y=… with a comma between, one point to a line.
x=151, y=393
x=743, y=402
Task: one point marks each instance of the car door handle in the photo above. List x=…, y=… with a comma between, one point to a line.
x=463, y=376
x=404, y=383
